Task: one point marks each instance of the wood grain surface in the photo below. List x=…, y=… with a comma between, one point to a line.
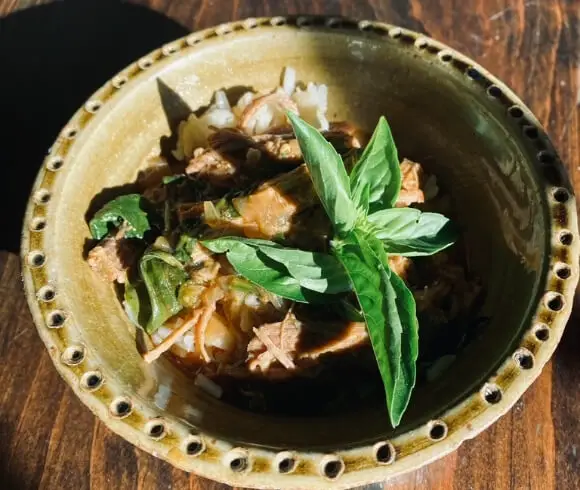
x=54, y=54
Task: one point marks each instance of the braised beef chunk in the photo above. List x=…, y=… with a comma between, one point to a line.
x=412, y=177
x=112, y=257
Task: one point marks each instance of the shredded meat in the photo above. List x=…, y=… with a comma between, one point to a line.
x=111, y=258
x=280, y=342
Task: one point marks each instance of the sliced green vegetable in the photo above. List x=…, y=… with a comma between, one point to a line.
x=184, y=248
x=409, y=232
x=378, y=169
x=126, y=209
x=328, y=174
x=162, y=274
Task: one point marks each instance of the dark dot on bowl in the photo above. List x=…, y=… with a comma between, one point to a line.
x=38, y=224
x=286, y=465
x=546, y=157
x=55, y=164
x=194, y=448
x=71, y=133
x=531, y=132
x=561, y=195
x=515, y=112
x=446, y=57
x=157, y=430
x=542, y=334
x=36, y=259
x=93, y=381
x=494, y=91
x=396, y=33
x=493, y=395
x=525, y=360
x=556, y=303
x=332, y=469
x=566, y=238
x=438, y=431
x=122, y=408
x=564, y=272
x=238, y=464
x=76, y=356
x=280, y=21
x=385, y=454
x=48, y=294
x=55, y=319
x=473, y=73
x=42, y=196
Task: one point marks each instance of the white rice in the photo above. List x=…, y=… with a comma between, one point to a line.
x=312, y=107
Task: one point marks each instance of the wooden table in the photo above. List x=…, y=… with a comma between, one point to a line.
x=54, y=55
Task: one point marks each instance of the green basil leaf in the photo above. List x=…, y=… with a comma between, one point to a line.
x=316, y=271
x=378, y=168
x=409, y=232
x=258, y=268
x=162, y=274
x=223, y=244
x=328, y=174
x=406, y=311
x=128, y=209
x=374, y=292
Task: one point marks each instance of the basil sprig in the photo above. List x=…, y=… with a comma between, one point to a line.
x=362, y=245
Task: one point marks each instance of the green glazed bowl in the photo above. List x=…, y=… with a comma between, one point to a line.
x=510, y=192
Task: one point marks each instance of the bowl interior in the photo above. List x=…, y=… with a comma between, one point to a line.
x=439, y=117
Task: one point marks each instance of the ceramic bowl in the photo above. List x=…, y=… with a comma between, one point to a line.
x=511, y=194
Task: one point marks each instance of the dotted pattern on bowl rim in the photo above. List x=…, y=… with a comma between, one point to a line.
x=324, y=467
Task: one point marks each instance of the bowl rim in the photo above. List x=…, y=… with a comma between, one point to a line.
x=354, y=466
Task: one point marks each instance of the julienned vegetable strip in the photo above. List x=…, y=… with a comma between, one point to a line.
x=159, y=349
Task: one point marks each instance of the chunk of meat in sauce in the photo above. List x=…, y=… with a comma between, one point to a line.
x=111, y=258
x=281, y=145
x=211, y=166
x=411, y=175
x=280, y=348
x=268, y=211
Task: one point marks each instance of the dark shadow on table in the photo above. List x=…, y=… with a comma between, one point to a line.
x=52, y=58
